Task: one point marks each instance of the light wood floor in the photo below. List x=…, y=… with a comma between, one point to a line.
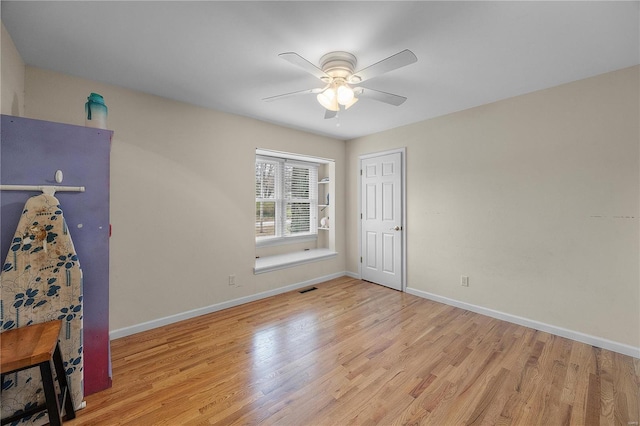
x=352, y=352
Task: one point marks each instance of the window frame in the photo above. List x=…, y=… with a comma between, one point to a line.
x=281, y=200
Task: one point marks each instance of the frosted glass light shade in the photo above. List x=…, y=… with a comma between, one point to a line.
x=329, y=100
x=345, y=94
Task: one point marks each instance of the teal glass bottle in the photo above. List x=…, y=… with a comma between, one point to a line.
x=95, y=112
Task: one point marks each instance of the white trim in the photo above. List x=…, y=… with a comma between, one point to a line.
x=359, y=219
x=401, y=150
x=403, y=178
x=282, y=200
x=288, y=260
x=149, y=325
x=558, y=331
x=526, y=322
x=292, y=156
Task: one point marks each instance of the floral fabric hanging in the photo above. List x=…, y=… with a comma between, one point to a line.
x=41, y=280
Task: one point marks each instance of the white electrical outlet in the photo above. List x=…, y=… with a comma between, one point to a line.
x=464, y=281
x=232, y=280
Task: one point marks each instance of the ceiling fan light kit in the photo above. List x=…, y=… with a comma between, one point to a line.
x=337, y=72
x=329, y=100
x=345, y=94
x=338, y=93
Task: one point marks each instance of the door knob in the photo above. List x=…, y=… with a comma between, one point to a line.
x=396, y=228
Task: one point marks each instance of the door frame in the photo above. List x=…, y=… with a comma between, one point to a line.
x=403, y=207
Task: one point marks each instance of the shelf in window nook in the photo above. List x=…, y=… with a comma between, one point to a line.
x=324, y=222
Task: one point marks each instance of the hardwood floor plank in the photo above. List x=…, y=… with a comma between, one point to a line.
x=357, y=353
x=487, y=398
x=592, y=414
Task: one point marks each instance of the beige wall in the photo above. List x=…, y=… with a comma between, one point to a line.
x=181, y=192
x=182, y=188
x=535, y=198
x=12, y=71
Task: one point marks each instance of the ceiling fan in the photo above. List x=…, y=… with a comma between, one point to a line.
x=336, y=71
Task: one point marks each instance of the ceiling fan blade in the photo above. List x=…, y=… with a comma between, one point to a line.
x=391, y=63
x=387, y=98
x=329, y=114
x=288, y=95
x=298, y=60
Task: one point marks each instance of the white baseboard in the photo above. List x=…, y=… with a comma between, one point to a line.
x=352, y=275
x=552, y=329
x=558, y=331
x=149, y=325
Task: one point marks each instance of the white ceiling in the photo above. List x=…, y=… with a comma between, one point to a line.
x=224, y=55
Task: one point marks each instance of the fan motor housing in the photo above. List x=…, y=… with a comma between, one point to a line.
x=338, y=64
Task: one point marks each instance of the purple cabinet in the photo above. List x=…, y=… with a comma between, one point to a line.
x=31, y=151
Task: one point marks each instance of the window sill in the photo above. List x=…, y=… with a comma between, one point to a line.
x=288, y=260
x=279, y=241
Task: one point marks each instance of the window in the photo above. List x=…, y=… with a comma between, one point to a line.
x=286, y=199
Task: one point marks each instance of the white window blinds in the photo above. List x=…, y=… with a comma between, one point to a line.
x=286, y=198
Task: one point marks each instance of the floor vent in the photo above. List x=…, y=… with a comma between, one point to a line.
x=308, y=289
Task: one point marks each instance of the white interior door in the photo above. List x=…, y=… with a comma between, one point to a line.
x=381, y=224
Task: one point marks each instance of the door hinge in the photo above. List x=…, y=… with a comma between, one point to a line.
x=360, y=259
x=360, y=215
x=360, y=172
